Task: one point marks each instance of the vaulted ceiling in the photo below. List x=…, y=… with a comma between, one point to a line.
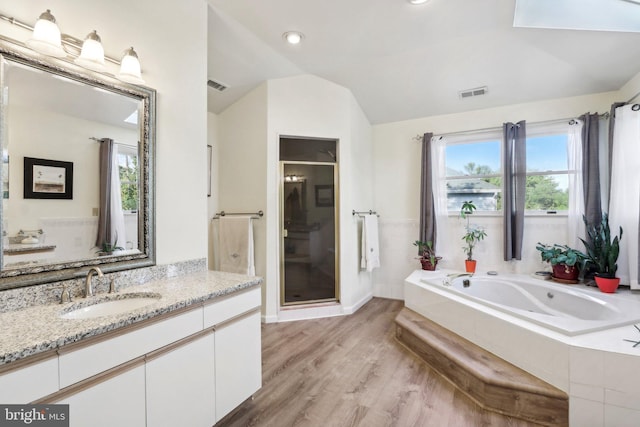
x=403, y=61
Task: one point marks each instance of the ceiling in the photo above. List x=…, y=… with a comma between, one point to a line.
x=29, y=87
x=404, y=61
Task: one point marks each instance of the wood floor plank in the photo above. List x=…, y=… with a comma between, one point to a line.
x=350, y=371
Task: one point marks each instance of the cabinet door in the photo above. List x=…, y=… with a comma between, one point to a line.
x=30, y=382
x=181, y=386
x=238, y=362
x=118, y=401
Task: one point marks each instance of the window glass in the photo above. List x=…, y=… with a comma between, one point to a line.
x=473, y=171
x=128, y=168
x=547, y=172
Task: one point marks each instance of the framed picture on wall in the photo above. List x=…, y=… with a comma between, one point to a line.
x=324, y=196
x=47, y=179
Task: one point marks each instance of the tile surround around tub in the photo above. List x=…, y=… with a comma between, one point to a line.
x=397, y=256
x=48, y=293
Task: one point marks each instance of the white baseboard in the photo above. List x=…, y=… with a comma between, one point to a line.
x=353, y=308
x=269, y=319
x=302, y=312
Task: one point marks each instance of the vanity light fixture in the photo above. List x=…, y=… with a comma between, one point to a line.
x=130, y=67
x=293, y=37
x=46, y=37
x=417, y=1
x=92, y=53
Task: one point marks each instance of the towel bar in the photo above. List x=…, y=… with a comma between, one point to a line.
x=255, y=215
x=360, y=213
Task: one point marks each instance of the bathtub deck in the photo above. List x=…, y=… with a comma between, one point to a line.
x=493, y=383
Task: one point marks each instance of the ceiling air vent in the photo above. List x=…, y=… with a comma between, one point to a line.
x=216, y=85
x=469, y=93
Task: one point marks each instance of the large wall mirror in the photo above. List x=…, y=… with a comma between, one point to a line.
x=77, y=170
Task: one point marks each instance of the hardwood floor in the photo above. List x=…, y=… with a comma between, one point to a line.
x=350, y=371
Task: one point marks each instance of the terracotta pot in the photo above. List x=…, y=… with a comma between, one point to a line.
x=470, y=265
x=606, y=284
x=427, y=265
x=565, y=272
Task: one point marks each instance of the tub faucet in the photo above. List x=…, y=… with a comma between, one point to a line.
x=88, y=289
x=447, y=280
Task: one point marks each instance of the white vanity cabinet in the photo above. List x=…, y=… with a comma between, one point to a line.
x=117, y=401
x=30, y=381
x=189, y=367
x=238, y=362
x=181, y=385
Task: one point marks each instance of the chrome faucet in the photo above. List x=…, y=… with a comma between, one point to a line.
x=88, y=289
x=447, y=280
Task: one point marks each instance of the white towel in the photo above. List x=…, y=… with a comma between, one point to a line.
x=370, y=250
x=236, y=245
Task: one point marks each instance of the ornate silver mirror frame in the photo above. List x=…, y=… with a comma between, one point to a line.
x=11, y=50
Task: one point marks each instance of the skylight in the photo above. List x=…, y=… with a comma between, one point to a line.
x=595, y=15
x=133, y=118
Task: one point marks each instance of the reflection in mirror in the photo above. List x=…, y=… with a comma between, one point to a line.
x=76, y=149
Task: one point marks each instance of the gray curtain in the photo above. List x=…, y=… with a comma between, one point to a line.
x=591, y=168
x=515, y=176
x=427, y=209
x=104, y=216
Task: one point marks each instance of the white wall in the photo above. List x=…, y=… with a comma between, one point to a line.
x=630, y=90
x=249, y=133
x=397, y=191
x=308, y=106
x=358, y=195
x=212, y=201
x=56, y=137
x=170, y=38
x=242, y=168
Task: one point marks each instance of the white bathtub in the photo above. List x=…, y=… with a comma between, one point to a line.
x=561, y=308
x=547, y=337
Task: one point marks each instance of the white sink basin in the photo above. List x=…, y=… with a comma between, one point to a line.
x=108, y=307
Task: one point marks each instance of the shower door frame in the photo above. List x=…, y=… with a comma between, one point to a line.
x=336, y=223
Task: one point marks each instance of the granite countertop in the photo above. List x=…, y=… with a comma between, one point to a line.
x=38, y=329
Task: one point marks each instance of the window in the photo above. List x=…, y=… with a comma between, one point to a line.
x=473, y=171
x=128, y=168
x=547, y=169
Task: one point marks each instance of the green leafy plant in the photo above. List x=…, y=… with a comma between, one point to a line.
x=427, y=251
x=560, y=254
x=602, y=250
x=108, y=248
x=474, y=234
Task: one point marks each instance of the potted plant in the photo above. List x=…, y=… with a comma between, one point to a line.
x=108, y=248
x=473, y=235
x=428, y=257
x=602, y=253
x=565, y=261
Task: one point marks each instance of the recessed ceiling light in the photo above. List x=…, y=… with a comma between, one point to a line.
x=417, y=1
x=293, y=37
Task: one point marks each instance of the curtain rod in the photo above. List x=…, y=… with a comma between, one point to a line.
x=633, y=97
x=117, y=143
x=499, y=128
